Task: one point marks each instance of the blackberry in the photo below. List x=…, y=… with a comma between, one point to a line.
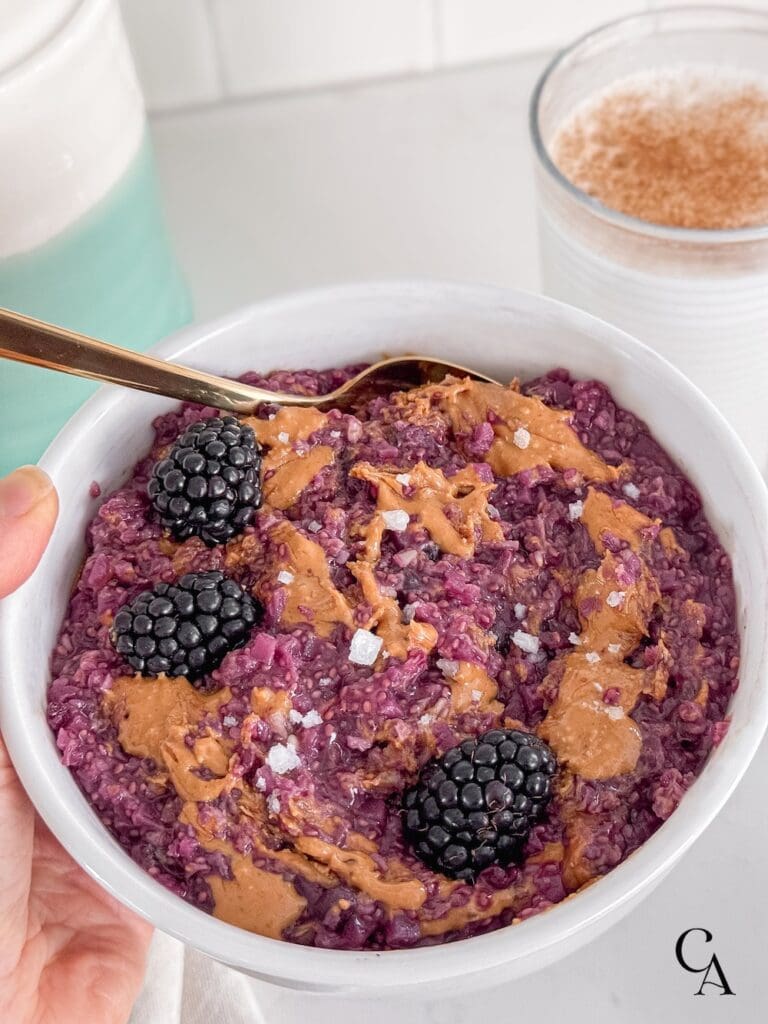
x=209, y=483
x=184, y=629
x=475, y=806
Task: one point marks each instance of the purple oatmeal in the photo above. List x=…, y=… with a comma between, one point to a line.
x=443, y=562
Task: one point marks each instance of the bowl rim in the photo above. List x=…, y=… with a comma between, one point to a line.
x=93, y=848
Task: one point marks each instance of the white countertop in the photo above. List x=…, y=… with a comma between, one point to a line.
x=432, y=177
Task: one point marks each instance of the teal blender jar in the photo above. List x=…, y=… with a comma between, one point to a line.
x=82, y=239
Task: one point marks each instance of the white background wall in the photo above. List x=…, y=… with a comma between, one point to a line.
x=193, y=52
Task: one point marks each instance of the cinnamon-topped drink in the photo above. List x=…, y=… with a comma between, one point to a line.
x=652, y=143
x=685, y=147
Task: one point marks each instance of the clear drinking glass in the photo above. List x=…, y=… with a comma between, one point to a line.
x=700, y=297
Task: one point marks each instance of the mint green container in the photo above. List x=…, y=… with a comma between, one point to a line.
x=111, y=274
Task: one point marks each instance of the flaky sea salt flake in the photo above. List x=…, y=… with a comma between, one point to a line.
x=403, y=479
x=631, y=491
x=522, y=437
x=282, y=758
x=397, y=519
x=615, y=598
x=448, y=667
x=525, y=641
x=365, y=647
x=592, y=657
x=520, y=611
x=285, y=577
x=575, y=510
x=574, y=638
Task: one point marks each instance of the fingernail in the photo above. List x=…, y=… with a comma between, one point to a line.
x=21, y=490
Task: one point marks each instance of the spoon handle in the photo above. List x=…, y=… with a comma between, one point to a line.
x=26, y=340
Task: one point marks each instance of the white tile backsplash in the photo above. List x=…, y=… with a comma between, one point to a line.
x=274, y=45
x=195, y=51
x=475, y=30
x=174, y=51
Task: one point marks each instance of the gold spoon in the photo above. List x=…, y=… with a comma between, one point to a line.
x=38, y=343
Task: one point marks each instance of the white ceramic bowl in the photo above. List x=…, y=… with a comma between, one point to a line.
x=504, y=333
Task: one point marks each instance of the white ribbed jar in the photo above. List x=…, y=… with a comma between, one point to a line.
x=700, y=297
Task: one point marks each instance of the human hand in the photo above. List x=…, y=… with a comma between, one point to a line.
x=69, y=952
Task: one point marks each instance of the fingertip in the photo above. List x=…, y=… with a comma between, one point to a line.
x=29, y=507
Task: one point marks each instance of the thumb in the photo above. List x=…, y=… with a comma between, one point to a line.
x=28, y=509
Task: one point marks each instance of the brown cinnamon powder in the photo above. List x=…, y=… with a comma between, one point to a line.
x=683, y=148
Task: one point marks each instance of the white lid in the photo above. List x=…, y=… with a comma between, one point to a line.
x=72, y=116
x=26, y=25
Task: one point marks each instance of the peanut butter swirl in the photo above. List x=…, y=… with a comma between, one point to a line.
x=311, y=595
x=398, y=890
x=387, y=618
x=472, y=689
x=430, y=492
x=286, y=471
x=153, y=719
x=527, y=433
x=606, y=516
x=255, y=899
x=589, y=732
x=473, y=911
x=265, y=902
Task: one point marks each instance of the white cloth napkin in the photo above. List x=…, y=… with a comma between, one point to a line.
x=183, y=986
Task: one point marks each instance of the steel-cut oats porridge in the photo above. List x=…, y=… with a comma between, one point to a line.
x=397, y=677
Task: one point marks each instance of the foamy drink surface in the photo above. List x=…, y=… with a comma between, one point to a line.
x=685, y=147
